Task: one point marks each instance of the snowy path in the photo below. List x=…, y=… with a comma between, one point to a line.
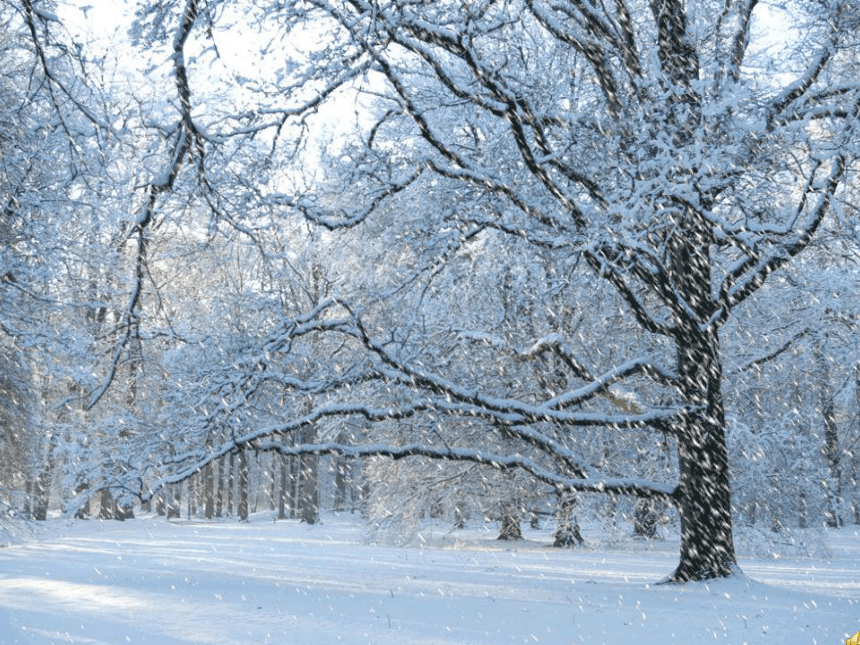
x=148, y=581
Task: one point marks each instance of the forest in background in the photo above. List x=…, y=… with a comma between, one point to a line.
x=504, y=259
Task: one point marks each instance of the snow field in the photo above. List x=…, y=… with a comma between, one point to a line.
x=150, y=581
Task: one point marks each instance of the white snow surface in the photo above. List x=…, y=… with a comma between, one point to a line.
x=153, y=581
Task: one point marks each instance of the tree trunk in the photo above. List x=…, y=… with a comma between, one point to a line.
x=833, y=485
x=510, y=524
x=83, y=512
x=294, y=486
x=855, y=507
x=208, y=492
x=830, y=445
x=231, y=483
x=273, y=483
x=310, y=506
x=459, y=516
x=219, y=493
x=567, y=532
x=283, y=480
x=124, y=512
x=42, y=484
x=28, y=493
x=41, y=495
x=174, y=504
x=192, y=497
x=342, y=481
x=244, y=481
x=703, y=494
x=645, y=519
x=107, y=506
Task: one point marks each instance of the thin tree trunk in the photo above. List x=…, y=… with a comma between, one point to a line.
x=42, y=484
x=309, y=500
x=192, y=497
x=244, y=481
x=28, y=492
x=231, y=483
x=459, y=516
x=283, y=480
x=830, y=445
x=219, y=495
x=42, y=494
x=273, y=482
x=208, y=492
x=294, y=487
x=340, y=483
x=174, y=505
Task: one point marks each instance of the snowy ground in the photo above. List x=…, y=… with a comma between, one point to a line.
x=149, y=581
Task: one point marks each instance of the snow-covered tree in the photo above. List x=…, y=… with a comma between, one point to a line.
x=637, y=140
x=600, y=191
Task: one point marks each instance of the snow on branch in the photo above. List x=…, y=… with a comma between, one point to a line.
x=441, y=394
x=635, y=487
x=508, y=410
x=746, y=276
x=343, y=220
x=185, y=134
x=597, y=385
x=802, y=84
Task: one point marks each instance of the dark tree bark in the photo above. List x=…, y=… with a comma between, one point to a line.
x=309, y=500
x=28, y=492
x=231, y=483
x=219, y=493
x=567, y=533
x=107, y=506
x=703, y=494
x=84, y=511
x=283, y=482
x=510, y=524
x=343, y=482
x=41, y=495
x=174, y=504
x=209, y=492
x=244, y=482
x=192, y=497
x=645, y=520
x=830, y=444
x=272, y=489
x=459, y=517
x=124, y=512
x=293, y=485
